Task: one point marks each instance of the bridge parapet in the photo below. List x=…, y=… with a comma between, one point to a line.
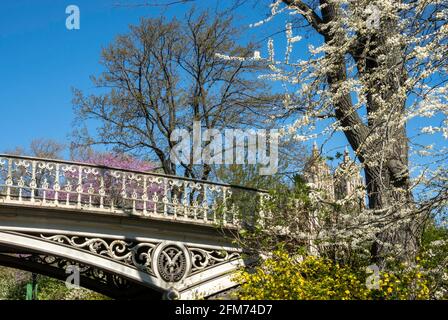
x=48, y=183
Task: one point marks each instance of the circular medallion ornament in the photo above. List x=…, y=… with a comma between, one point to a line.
x=171, y=262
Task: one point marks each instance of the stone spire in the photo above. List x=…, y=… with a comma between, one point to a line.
x=346, y=155
x=318, y=174
x=315, y=152
x=347, y=178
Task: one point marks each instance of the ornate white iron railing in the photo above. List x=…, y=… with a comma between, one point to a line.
x=62, y=184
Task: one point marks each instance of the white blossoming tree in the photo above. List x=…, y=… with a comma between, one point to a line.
x=371, y=69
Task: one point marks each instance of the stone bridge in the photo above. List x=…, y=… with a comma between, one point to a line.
x=128, y=234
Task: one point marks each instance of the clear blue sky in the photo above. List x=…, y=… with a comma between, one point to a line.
x=41, y=60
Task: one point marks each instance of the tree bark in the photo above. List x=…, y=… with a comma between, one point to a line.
x=387, y=182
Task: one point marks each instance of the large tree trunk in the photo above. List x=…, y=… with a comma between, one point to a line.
x=388, y=194
x=385, y=157
x=381, y=144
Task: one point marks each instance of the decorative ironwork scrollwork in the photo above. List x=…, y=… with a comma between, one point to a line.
x=173, y=261
x=137, y=255
x=202, y=258
x=84, y=270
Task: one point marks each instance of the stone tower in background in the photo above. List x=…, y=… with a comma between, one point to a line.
x=318, y=174
x=348, y=181
x=345, y=182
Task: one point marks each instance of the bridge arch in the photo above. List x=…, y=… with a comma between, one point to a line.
x=132, y=264
x=90, y=277
x=159, y=234
x=42, y=247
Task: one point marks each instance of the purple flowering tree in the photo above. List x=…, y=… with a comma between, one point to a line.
x=118, y=186
x=114, y=181
x=120, y=161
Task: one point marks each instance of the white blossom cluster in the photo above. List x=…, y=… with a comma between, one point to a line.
x=395, y=82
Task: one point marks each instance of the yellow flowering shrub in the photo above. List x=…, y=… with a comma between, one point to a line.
x=402, y=286
x=282, y=278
